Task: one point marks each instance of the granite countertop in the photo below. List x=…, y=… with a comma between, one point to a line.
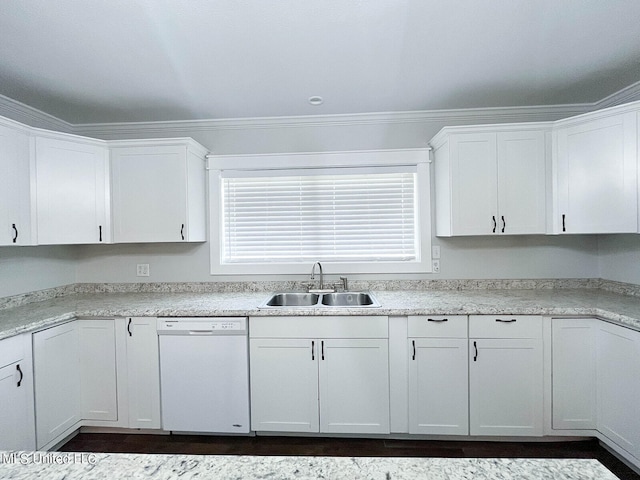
x=613, y=307
x=70, y=466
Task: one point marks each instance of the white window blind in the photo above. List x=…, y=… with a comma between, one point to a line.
x=341, y=215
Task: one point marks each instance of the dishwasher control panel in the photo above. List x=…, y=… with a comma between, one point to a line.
x=202, y=326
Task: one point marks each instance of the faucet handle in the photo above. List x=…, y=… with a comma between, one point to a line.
x=345, y=283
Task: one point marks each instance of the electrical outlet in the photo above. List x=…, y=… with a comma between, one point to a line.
x=435, y=252
x=142, y=270
x=435, y=266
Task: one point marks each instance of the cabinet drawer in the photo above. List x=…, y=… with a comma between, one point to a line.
x=437, y=326
x=11, y=350
x=505, y=326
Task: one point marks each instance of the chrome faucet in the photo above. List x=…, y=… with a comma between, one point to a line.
x=313, y=272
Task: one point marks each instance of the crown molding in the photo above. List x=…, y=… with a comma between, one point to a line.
x=457, y=116
x=626, y=95
x=31, y=116
x=121, y=130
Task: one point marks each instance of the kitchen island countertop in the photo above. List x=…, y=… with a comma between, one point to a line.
x=71, y=466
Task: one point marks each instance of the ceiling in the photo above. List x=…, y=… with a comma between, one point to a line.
x=97, y=61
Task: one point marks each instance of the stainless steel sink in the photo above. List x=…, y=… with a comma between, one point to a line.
x=349, y=299
x=292, y=300
x=340, y=299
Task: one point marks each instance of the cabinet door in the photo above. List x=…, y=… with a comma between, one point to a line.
x=505, y=387
x=597, y=167
x=574, y=373
x=438, y=386
x=17, y=427
x=521, y=182
x=284, y=385
x=354, y=386
x=15, y=218
x=149, y=194
x=143, y=372
x=474, y=189
x=72, y=194
x=619, y=386
x=98, y=369
x=57, y=382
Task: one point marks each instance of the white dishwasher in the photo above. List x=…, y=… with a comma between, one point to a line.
x=204, y=374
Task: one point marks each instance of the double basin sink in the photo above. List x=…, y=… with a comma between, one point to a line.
x=338, y=299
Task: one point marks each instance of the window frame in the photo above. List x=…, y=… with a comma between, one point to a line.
x=418, y=157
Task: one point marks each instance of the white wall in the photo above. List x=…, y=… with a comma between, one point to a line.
x=26, y=269
x=34, y=268
x=619, y=258
x=478, y=257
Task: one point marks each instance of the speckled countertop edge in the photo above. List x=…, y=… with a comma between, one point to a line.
x=108, y=466
x=609, y=306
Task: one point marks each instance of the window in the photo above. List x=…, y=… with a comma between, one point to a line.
x=362, y=218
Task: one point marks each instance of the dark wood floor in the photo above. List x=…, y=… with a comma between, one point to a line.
x=264, y=445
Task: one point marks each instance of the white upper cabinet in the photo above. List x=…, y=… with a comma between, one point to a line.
x=522, y=158
x=158, y=190
x=491, y=179
x=15, y=199
x=72, y=190
x=595, y=162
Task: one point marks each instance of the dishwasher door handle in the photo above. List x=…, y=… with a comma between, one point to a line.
x=201, y=332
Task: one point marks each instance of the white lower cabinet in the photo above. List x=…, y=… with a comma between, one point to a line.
x=574, y=373
x=96, y=372
x=17, y=427
x=438, y=375
x=316, y=384
x=505, y=376
x=143, y=372
x=284, y=385
x=354, y=385
x=618, y=381
x=98, y=376
x=57, y=373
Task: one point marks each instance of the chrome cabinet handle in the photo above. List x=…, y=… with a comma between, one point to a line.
x=15, y=233
x=322, y=346
x=100, y=231
x=313, y=350
x=495, y=224
x=437, y=320
x=182, y=232
x=475, y=356
x=21, y=374
x=414, y=349
x=504, y=224
x=506, y=321
x=564, y=226
x=129, y=328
